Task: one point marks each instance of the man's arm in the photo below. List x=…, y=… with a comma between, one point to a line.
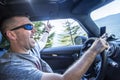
x=43, y=40
x=76, y=71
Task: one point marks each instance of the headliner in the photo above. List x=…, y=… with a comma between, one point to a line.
x=49, y=9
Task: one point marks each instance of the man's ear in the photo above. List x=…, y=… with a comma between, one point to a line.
x=11, y=35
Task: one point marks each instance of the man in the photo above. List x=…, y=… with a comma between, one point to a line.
x=23, y=61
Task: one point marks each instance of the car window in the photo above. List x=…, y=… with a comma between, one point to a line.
x=63, y=33
x=108, y=16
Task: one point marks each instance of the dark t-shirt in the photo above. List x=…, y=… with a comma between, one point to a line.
x=30, y=66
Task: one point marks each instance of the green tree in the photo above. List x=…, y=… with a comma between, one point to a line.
x=50, y=40
x=39, y=25
x=72, y=29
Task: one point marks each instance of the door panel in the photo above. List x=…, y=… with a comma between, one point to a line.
x=60, y=58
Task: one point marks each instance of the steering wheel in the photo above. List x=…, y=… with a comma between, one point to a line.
x=98, y=67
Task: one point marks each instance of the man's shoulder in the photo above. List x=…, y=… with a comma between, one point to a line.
x=19, y=72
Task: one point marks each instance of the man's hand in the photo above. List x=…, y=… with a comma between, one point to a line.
x=100, y=44
x=48, y=27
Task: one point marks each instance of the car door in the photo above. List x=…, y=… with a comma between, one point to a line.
x=60, y=58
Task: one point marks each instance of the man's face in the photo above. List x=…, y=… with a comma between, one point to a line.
x=24, y=38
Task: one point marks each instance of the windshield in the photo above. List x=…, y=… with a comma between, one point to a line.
x=109, y=16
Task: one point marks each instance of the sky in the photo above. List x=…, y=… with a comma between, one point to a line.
x=111, y=8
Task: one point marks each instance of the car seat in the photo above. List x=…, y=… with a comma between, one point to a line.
x=2, y=50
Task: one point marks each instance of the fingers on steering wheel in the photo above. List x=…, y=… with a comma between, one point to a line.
x=105, y=43
x=104, y=36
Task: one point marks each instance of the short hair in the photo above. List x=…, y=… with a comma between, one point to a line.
x=2, y=22
x=7, y=20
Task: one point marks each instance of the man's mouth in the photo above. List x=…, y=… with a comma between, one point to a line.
x=32, y=36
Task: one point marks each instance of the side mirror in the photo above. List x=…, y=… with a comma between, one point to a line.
x=79, y=40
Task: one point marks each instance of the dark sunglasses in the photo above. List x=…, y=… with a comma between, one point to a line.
x=25, y=26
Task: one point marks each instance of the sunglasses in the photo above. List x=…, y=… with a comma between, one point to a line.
x=25, y=26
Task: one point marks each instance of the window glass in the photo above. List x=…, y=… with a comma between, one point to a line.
x=109, y=16
x=63, y=33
